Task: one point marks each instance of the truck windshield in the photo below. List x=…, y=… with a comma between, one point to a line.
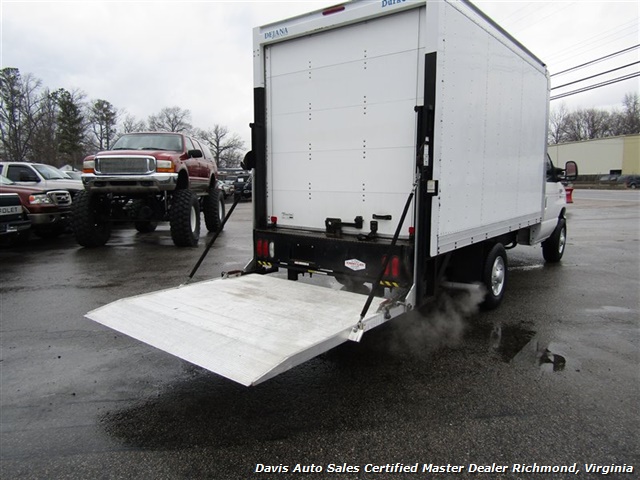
x=50, y=173
x=150, y=141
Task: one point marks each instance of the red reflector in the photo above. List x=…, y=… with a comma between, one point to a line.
x=395, y=267
x=274, y=220
x=412, y=231
x=259, y=247
x=336, y=9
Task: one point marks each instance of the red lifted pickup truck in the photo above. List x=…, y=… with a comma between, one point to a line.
x=147, y=178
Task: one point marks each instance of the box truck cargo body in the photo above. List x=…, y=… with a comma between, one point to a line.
x=396, y=144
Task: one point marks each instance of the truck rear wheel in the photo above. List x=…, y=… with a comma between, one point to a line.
x=553, y=247
x=184, y=218
x=89, y=226
x=213, y=209
x=494, y=276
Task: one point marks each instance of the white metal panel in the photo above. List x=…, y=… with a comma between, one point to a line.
x=247, y=329
x=341, y=122
x=489, y=130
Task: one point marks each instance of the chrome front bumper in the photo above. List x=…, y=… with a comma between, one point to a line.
x=155, y=182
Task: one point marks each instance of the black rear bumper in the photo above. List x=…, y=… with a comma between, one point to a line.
x=345, y=258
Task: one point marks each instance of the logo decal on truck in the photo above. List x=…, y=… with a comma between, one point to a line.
x=355, y=264
x=388, y=3
x=273, y=34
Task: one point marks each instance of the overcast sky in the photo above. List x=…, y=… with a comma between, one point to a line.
x=142, y=56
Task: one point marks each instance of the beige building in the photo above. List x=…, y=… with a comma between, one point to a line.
x=619, y=155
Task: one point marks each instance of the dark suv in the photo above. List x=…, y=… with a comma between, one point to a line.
x=146, y=178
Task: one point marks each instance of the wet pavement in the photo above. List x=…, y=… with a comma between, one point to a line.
x=551, y=377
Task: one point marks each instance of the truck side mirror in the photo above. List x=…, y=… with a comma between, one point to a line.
x=571, y=171
x=249, y=161
x=195, y=153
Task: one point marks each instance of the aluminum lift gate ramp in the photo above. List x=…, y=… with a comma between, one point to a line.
x=248, y=328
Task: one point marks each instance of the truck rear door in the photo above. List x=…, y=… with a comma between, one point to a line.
x=341, y=127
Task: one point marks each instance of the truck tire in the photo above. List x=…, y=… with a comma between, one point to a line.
x=184, y=218
x=554, y=246
x=143, y=226
x=494, y=276
x=89, y=226
x=213, y=209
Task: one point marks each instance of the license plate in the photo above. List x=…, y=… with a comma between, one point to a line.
x=10, y=210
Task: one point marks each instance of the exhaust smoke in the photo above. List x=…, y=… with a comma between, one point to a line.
x=440, y=324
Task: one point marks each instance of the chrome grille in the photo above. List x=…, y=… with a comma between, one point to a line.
x=118, y=165
x=60, y=197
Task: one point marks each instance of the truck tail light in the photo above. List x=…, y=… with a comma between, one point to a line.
x=265, y=249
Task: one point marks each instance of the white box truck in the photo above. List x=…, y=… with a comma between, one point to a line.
x=397, y=144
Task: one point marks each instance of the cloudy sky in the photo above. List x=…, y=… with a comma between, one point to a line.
x=145, y=55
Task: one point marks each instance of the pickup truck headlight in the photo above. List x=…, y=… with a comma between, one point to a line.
x=164, y=166
x=88, y=166
x=40, y=199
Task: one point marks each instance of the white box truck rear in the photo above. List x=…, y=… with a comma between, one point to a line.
x=356, y=104
x=397, y=144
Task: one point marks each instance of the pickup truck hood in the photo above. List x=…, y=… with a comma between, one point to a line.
x=161, y=154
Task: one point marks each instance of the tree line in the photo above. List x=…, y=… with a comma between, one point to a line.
x=591, y=123
x=61, y=127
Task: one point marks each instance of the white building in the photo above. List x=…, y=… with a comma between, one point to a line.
x=612, y=155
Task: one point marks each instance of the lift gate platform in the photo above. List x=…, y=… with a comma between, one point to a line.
x=248, y=328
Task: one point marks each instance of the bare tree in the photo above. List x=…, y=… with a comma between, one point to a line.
x=19, y=107
x=171, y=119
x=225, y=146
x=557, y=124
x=631, y=114
x=131, y=124
x=44, y=142
x=103, y=118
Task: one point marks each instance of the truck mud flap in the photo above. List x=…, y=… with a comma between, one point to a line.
x=248, y=328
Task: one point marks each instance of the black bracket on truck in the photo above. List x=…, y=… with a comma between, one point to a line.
x=334, y=225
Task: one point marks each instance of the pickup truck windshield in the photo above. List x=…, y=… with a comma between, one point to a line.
x=150, y=141
x=50, y=173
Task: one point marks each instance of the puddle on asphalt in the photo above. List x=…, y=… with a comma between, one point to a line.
x=519, y=345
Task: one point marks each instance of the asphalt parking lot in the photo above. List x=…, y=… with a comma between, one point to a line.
x=550, y=379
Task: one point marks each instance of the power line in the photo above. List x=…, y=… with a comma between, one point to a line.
x=598, y=85
x=579, y=49
x=596, y=75
x=596, y=60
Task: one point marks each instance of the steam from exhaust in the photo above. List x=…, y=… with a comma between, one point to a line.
x=441, y=324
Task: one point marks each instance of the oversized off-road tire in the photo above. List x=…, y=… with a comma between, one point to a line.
x=184, y=218
x=89, y=220
x=213, y=209
x=494, y=276
x=554, y=246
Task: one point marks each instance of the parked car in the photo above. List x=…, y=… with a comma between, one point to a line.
x=13, y=217
x=40, y=175
x=243, y=187
x=47, y=210
x=226, y=187
x=630, y=181
x=72, y=174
